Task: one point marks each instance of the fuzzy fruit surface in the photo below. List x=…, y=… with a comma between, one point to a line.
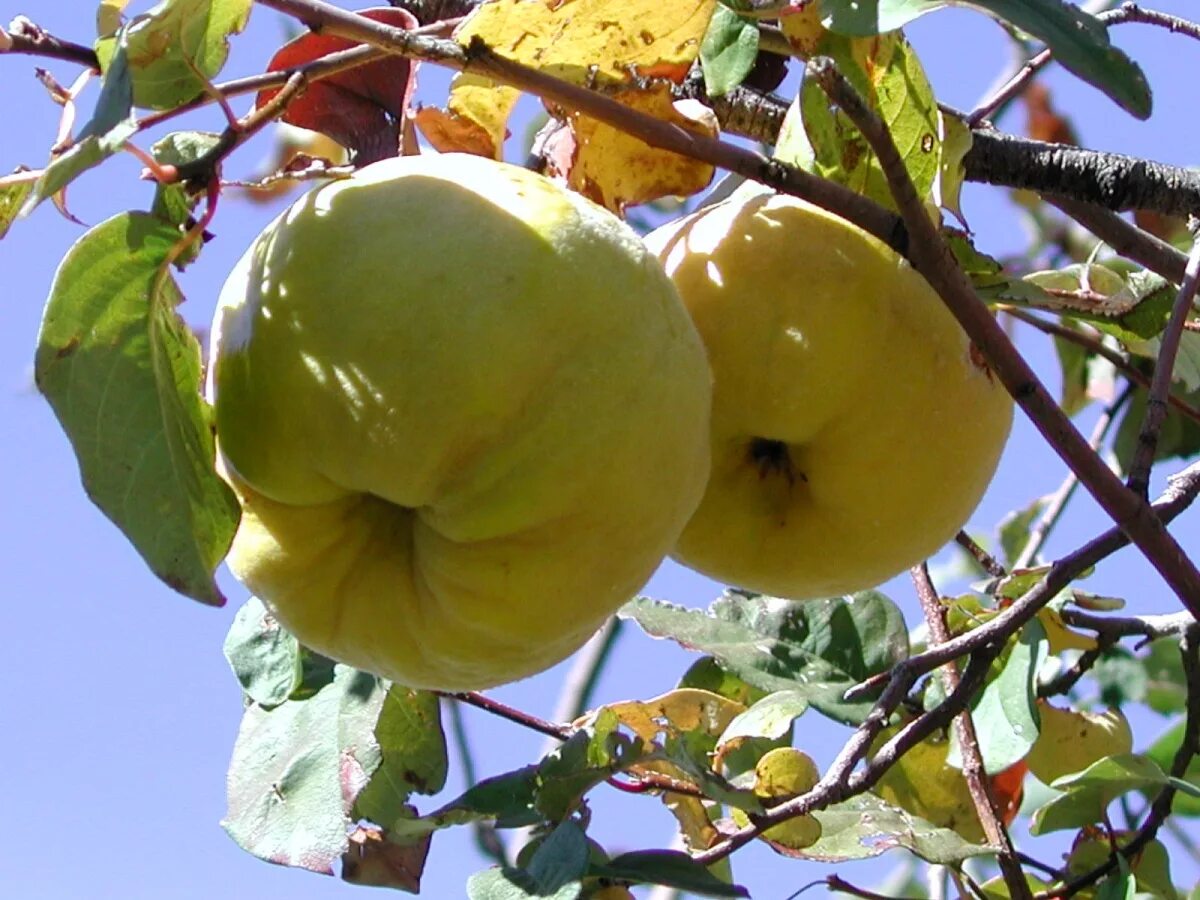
x=852, y=432
x=466, y=414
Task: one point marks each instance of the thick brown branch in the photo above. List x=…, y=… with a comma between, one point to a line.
x=1110, y=180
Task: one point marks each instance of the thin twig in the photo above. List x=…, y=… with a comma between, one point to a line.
x=32, y=40
x=1097, y=347
x=1160, y=387
x=973, y=771
x=1125, y=238
x=1019, y=80
x=486, y=838
x=986, y=561
x=504, y=711
x=934, y=259
x=1057, y=503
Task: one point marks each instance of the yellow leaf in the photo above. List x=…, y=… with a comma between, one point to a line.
x=612, y=44
x=924, y=784
x=685, y=709
x=617, y=170
x=594, y=41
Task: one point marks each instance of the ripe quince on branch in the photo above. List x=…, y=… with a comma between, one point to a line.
x=466, y=415
x=854, y=428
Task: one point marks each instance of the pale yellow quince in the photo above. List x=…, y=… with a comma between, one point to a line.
x=465, y=412
x=853, y=430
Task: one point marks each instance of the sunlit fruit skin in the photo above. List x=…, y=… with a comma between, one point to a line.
x=853, y=431
x=1071, y=740
x=466, y=414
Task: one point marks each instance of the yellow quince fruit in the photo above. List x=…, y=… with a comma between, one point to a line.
x=466, y=415
x=854, y=427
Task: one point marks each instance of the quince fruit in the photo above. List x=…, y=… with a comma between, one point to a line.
x=781, y=774
x=854, y=429
x=1070, y=740
x=466, y=415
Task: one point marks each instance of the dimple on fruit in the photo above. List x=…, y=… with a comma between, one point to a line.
x=466, y=415
x=853, y=429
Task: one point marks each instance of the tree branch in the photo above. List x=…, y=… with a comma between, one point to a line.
x=934, y=259
x=1111, y=180
x=973, y=771
x=24, y=37
x=1160, y=387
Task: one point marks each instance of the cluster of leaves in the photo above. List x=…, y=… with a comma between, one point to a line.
x=330, y=761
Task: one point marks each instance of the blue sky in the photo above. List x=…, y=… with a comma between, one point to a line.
x=118, y=712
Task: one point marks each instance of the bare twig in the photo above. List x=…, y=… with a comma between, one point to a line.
x=986, y=561
x=1160, y=387
x=934, y=259
x=1058, y=501
x=1125, y=238
x=1094, y=345
x=1019, y=79
x=973, y=771
x=504, y=711
x=27, y=38
x=1111, y=180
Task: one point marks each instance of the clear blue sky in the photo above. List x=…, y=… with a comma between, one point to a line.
x=118, y=711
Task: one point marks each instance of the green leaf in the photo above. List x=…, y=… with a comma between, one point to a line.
x=1004, y=713
x=889, y=75
x=1120, y=677
x=174, y=202
x=819, y=648
x=670, y=868
x=1015, y=528
x=408, y=754
x=865, y=826
x=770, y=717
x=507, y=799
x=576, y=766
x=296, y=768
x=111, y=125
x=12, y=198
x=1086, y=795
x=1179, y=436
x=554, y=870
x=122, y=372
x=728, y=51
x=1078, y=40
x=263, y=654
x=176, y=46
x=706, y=674
x=1163, y=751
x=1166, y=684
x=515, y=884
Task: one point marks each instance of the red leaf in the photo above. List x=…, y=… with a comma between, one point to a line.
x=361, y=108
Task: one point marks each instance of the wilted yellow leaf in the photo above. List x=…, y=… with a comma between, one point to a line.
x=685, y=709
x=594, y=41
x=597, y=43
x=617, y=170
